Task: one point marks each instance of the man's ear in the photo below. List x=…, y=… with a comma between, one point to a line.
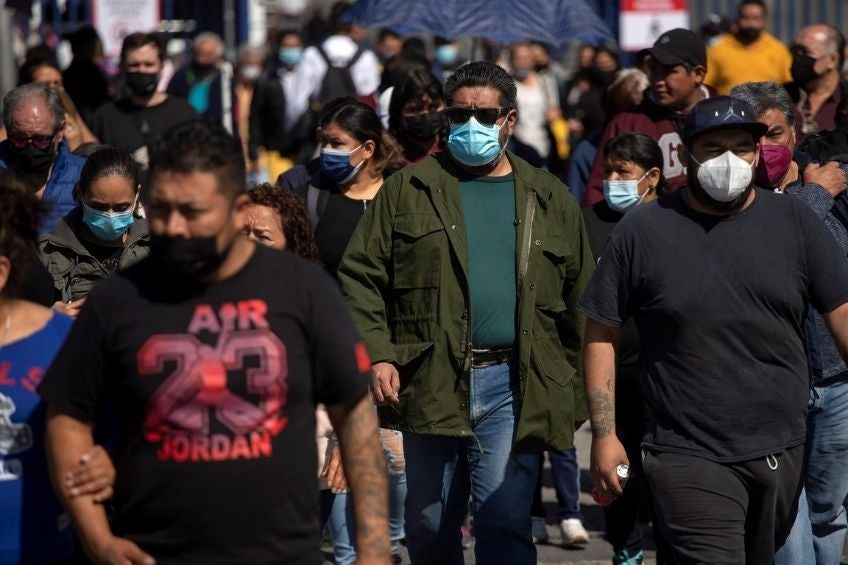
x=699, y=72
x=683, y=155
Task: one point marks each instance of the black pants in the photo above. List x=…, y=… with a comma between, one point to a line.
x=725, y=512
x=624, y=516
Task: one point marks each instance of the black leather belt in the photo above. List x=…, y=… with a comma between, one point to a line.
x=487, y=357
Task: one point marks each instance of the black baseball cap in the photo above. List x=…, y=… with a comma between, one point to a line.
x=721, y=112
x=678, y=47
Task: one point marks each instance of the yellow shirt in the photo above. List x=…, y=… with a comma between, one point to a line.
x=729, y=62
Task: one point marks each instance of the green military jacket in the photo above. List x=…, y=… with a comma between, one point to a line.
x=405, y=277
x=74, y=270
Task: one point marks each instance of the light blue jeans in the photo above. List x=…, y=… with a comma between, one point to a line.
x=443, y=470
x=818, y=535
x=341, y=521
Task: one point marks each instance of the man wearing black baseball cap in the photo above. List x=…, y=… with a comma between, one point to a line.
x=718, y=277
x=678, y=62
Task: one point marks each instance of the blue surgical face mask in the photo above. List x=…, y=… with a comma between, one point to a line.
x=107, y=226
x=335, y=164
x=474, y=144
x=446, y=54
x=623, y=195
x=290, y=56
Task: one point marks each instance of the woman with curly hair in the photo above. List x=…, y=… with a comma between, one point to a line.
x=277, y=218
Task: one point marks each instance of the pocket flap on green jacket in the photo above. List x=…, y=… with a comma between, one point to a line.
x=556, y=247
x=559, y=371
x=417, y=225
x=406, y=353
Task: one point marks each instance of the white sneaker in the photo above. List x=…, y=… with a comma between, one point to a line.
x=540, y=533
x=573, y=532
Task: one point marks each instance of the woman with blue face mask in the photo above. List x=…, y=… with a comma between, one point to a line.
x=356, y=153
x=102, y=234
x=633, y=166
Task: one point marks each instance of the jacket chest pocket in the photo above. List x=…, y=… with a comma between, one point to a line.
x=417, y=243
x=552, y=274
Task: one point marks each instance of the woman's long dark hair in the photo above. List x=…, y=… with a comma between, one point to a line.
x=362, y=123
x=417, y=84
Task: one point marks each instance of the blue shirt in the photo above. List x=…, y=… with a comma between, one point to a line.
x=33, y=526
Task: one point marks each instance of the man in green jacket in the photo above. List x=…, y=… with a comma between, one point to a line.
x=463, y=278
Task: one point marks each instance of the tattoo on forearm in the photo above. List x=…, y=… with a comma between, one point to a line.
x=601, y=413
x=365, y=467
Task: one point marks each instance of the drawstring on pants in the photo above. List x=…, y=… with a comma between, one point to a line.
x=769, y=459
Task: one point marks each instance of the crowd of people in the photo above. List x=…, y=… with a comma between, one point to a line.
x=365, y=289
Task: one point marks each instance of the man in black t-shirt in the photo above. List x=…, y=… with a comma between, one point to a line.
x=717, y=277
x=210, y=357
x=135, y=122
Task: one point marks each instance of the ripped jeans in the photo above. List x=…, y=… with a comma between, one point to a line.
x=442, y=471
x=393, y=449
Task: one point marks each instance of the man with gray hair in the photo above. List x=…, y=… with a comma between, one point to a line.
x=35, y=151
x=206, y=82
x=817, y=86
x=818, y=535
x=463, y=279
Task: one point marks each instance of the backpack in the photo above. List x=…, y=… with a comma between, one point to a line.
x=338, y=81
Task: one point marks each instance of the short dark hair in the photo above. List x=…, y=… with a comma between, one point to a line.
x=19, y=214
x=27, y=70
x=201, y=146
x=640, y=149
x=743, y=3
x=482, y=73
x=362, y=123
x=295, y=222
x=137, y=40
x=418, y=83
x=335, y=23
x=106, y=162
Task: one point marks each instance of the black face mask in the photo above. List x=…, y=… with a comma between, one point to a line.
x=192, y=257
x=30, y=159
x=802, y=68
x=748, y=35
x=203, y=68
x=599, y=77
x=423, y=127
x=539, y=67
x=142, y=85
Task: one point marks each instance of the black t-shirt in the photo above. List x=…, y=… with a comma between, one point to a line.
x=335, y=227
x=214, y=388
x=109, y=256
x=719, y=303
x=119, y=124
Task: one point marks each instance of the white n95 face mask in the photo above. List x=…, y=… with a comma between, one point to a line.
x=725, y=177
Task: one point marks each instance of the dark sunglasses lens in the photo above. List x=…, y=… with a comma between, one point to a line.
x=42, y=141
x=488, y=116
x=460, y=115
x=18, y=140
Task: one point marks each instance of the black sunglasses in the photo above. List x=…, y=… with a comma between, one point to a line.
x=486, y=116
x=19, y=140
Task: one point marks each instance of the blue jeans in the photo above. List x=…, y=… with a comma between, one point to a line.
x=342, y=529
x=818, y=535
x=442, y=471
